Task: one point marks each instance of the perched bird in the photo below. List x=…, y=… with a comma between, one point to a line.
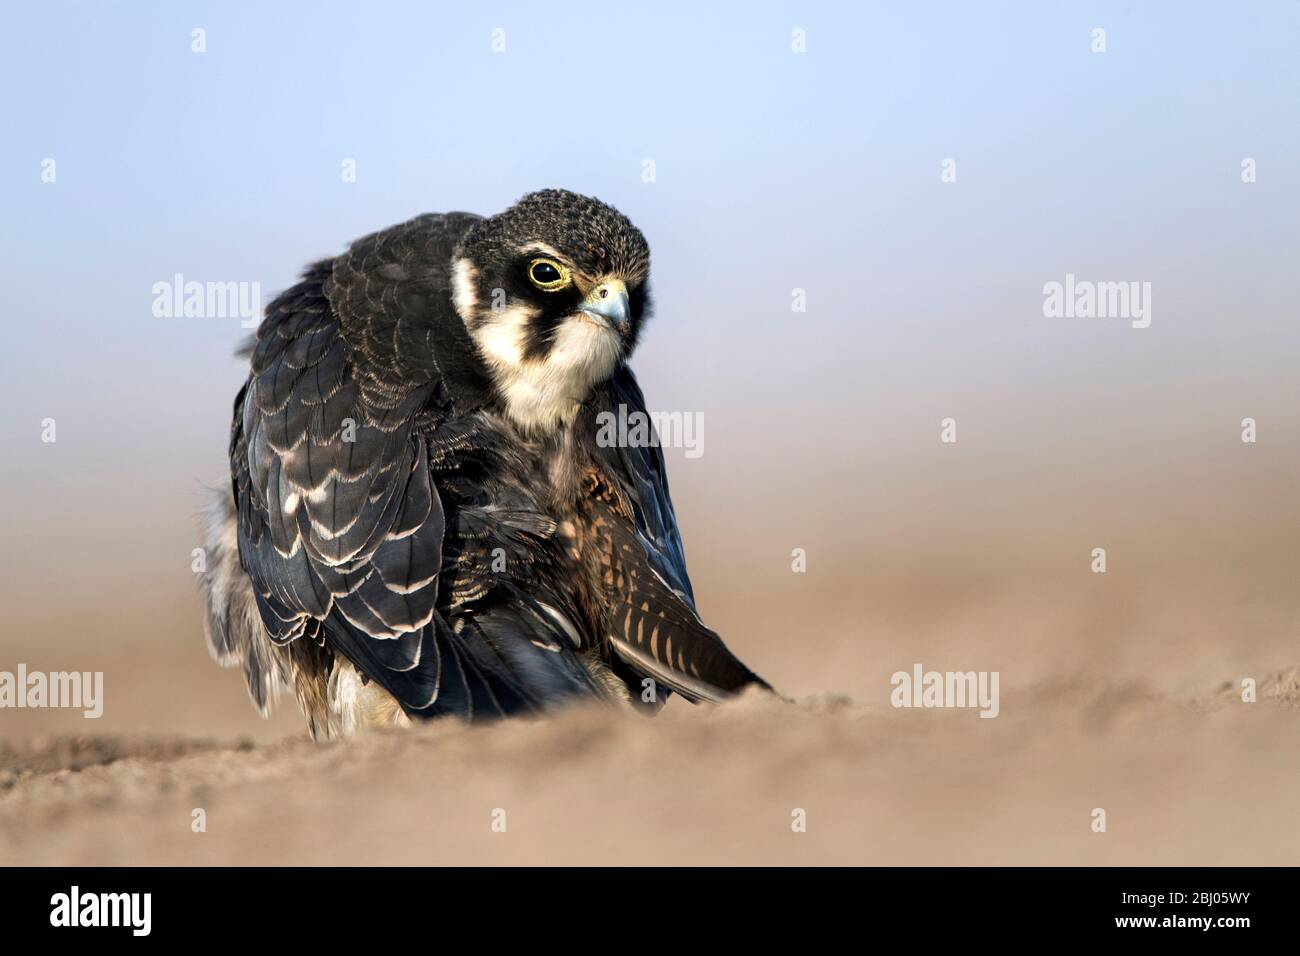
x=421, y=520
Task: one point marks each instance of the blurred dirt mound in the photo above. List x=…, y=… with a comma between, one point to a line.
x=1190, y=780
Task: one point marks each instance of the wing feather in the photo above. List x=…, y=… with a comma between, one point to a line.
x=655, y=628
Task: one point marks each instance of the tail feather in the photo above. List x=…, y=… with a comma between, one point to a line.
x=233, y=626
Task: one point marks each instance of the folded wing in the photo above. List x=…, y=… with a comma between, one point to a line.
x=341, y=527
x=655, y=628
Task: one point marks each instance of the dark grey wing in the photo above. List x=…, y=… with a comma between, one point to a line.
x=341, y=529
x=655, y=628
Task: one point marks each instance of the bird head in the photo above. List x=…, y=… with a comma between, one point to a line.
x=553, y=293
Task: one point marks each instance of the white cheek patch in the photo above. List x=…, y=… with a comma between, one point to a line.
x=501, y=336
x=463, y=297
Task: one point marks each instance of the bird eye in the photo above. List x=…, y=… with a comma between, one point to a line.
x=548, y=275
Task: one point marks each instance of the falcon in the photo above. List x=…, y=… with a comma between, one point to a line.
x=422, y=520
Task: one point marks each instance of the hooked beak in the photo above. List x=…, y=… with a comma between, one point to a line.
x=608, y=305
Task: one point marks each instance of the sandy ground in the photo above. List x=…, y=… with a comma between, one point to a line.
x=1201, y=780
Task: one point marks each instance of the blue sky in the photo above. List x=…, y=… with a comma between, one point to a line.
x=775, y=170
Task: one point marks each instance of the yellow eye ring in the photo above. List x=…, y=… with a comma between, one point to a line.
x=549, y=275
